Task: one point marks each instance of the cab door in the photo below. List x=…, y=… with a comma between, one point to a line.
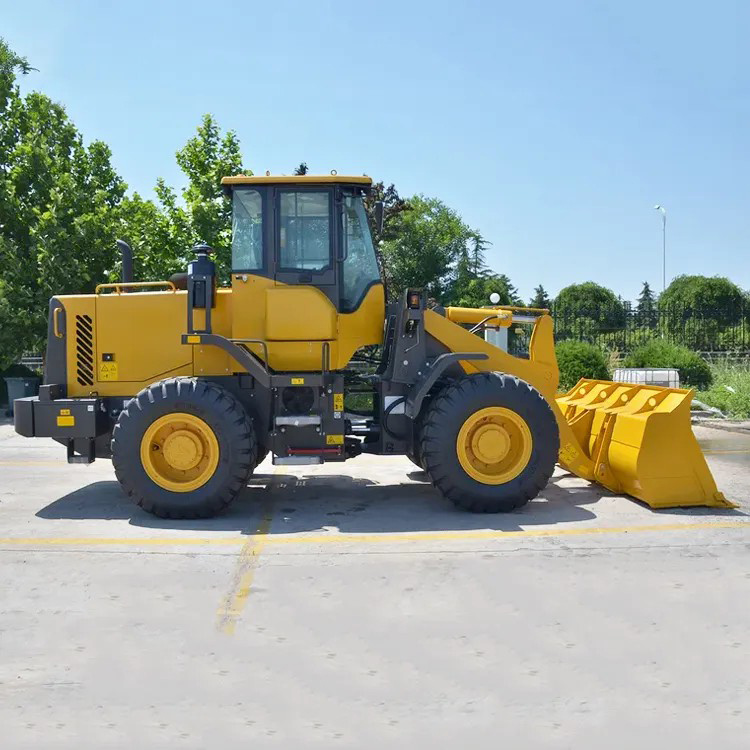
x=302, y=305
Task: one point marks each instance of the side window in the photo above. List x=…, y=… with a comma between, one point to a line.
x=305, y=230
x=361, y=265
x=247, y=230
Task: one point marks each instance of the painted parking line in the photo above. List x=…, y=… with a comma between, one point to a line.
x=235, y=600
x=272, y=540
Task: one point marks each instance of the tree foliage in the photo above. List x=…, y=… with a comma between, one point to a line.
x=393, y=204
x=705, y=296
x=476, y=292
x=585, y=310
x=163, y=232
x=578, y=359
x=425, y=242
x=694, y=370
x=647, y=306
x=540, y=299
x=59, y=202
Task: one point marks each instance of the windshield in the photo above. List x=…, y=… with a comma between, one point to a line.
x=361, y=265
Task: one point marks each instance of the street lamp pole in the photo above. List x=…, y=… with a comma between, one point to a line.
x=663, y=211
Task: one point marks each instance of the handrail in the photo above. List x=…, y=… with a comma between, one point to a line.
x=261, y=343
x=118, y=285
x=55, y=324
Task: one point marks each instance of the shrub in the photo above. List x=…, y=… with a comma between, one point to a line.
x=577, y=359
x=694, y=370
x=730, y=391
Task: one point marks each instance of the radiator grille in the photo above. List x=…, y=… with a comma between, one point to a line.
x=84, y=350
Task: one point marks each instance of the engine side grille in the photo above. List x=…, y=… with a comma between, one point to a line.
x=84, y=350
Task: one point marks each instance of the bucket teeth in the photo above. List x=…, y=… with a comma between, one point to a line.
x=639, y=440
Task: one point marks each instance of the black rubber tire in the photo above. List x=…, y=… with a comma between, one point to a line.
x=262, y=453
x=223, y=413
x=443, y=421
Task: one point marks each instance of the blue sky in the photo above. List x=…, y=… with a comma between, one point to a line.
x=552, y=127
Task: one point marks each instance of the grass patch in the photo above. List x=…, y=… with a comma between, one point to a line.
x=730, y=391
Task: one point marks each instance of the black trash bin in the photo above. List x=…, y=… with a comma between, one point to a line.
x=20, y=388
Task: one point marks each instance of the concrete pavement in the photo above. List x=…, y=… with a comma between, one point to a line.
x=361, y=610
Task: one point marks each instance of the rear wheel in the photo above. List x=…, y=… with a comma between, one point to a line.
x=489, y=442
x=183, y=448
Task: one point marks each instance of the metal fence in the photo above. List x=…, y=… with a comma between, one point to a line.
x=724, y=331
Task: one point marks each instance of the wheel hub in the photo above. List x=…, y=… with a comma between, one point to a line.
x=179, y=452
x=490, y=443
x=494, y=445
x=183, y=450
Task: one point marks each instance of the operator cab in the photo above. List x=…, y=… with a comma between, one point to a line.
x=304, y=268
x=306, y=229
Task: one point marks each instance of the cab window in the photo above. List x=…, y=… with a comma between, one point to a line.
x=247, y=230
x=305, y=230
x=360, y=265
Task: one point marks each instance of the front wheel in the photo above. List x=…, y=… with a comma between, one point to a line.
x=489, y=442
x=183, y=448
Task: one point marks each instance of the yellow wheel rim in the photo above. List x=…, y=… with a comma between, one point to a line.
x=179, y=452
x=494, y=445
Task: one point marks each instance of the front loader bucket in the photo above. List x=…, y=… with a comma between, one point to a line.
x=640, y=441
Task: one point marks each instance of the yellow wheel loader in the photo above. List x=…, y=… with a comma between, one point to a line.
x=187, y=387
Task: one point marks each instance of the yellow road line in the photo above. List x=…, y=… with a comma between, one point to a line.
x=261, y=535
x=234, y=602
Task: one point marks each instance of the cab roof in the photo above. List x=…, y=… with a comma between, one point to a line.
x=301, y=179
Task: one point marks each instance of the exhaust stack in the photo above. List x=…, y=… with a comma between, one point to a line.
x=126, y=254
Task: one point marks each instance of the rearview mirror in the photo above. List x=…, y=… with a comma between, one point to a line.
x=379, y=216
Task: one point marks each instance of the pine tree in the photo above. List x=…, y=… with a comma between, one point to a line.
x=477, y=259
x=540, y=299
x=647, y=306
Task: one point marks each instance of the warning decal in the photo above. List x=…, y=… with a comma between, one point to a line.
x=108, y=371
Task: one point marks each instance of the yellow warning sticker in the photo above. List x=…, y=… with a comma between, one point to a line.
x=66, y=421
x=334, y=439
x=338, y=402
x=298, y=381
x=108, y=371
x=64, y=412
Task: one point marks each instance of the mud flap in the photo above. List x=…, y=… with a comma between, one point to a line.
x=639, y=441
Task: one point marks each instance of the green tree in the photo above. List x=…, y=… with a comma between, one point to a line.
x=393, y=204
x=59, y=203
x=585, y=311
x=162, y=233
x=646, y=306
x=478, y=254
x=714, y=297
x=476, y=293
x=540, y=299
x=703, y=312
x=427, y=240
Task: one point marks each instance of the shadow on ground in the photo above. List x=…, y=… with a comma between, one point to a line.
x=351, y=504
